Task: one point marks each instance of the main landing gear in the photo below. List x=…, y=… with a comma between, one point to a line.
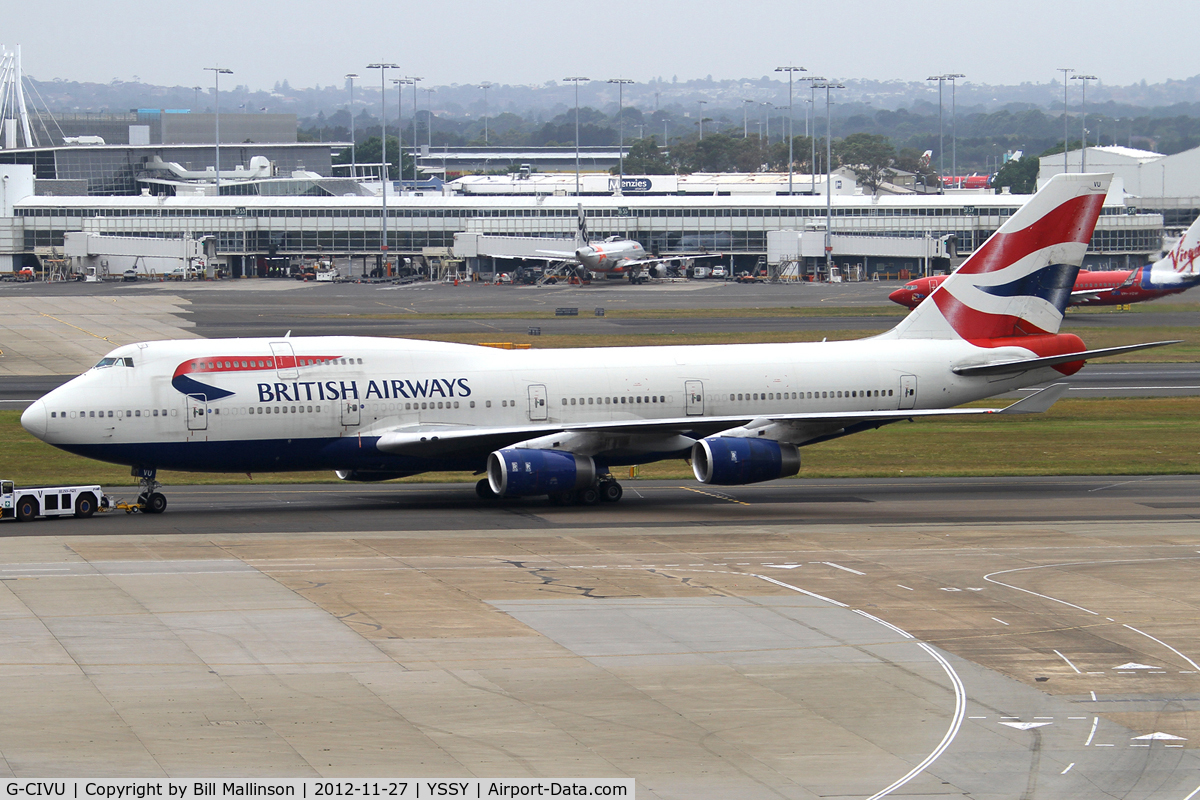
x=605, y=490
x=150, y=500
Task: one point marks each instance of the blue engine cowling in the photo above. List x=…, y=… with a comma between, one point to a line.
x=518, y=472
x=732, y=461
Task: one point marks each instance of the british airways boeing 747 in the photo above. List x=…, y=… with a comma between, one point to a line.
x=556, y=422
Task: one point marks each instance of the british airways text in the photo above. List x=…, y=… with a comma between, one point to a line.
x=297, y=391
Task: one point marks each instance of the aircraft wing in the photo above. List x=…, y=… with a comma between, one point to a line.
x=1086, y=295
x=661, y=259
x=543, y=255
x=676, y=434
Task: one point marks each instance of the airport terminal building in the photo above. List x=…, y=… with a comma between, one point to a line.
x=245, y=231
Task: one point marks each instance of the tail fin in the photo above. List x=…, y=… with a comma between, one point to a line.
x=1184, y=259
x=1018, y=283
x=581, y=232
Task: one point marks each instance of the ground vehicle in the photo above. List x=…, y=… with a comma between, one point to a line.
x=719, y=273
x=50, y=501
x=129, y=275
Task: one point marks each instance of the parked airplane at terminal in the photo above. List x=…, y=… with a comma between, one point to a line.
x=555, y=422
x=1177, y=272
x=613, y=256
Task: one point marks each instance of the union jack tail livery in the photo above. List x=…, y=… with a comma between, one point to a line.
x=1019, y=282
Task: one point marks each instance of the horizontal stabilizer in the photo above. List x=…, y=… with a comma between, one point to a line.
x=1038, y=402
x=1026, y=364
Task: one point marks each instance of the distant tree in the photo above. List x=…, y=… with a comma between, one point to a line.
x=644, y=158
x=871, y=156
x=1019, y=174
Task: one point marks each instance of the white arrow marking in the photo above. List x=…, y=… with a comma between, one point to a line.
x=1025, y=726
x=1135, y=665
x=1161, y=735
x=782, y=566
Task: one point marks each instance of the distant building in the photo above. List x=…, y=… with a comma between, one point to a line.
x=1169, y=185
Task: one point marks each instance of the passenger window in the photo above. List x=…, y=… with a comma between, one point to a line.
x=53, y=414
x=137, y=413
x=488, y=404
x=156, y=412
x=472, y=404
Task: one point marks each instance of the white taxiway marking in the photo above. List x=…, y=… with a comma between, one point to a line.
x=839, y=566
x=1160, y=736
x=1095, y=722
x=1164, y=644
x=1069, y=664
x=960, y=693
x=902, y=586
x=1068, y=769
x=1002, y=622
x=1094, y=697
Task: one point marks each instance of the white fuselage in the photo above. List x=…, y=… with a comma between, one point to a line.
x=610, y=256
x=238, y=405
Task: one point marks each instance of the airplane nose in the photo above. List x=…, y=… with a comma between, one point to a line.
x=34, y=419
x=900, y=296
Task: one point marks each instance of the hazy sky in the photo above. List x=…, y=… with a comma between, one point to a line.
x=169, y=42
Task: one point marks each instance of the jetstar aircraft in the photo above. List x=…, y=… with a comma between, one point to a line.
x=556, y=422
x=613, y=256
x=1177, y=272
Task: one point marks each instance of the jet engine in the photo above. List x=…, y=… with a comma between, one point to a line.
x=734, y=461
x=520, y=472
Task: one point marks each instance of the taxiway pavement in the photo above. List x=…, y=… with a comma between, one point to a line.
x=990, y=638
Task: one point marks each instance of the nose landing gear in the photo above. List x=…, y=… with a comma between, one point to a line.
x=150, y=499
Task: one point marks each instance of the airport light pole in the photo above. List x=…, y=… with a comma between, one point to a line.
x=620, y=82
x=941, y=79
x=577, y=80
x=1083, y=118
x=217, y=73
x=414, y=80
x=399, y=84
x=745, y=123
x=791, y=135
x=383, y=67
x=1065, y=71
x=702, y=104
x=429, y=114
x=953, y=122
x=350, y=76
x=827, y=86
x=485, y=86
x=812, y=106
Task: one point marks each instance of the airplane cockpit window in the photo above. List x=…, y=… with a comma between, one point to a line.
x=109, y=361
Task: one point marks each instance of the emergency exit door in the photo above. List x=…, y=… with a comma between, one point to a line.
x=693, y=391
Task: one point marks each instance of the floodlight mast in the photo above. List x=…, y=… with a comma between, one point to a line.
x=827, y=86
x=577, y=81
x=383, y=67
x=485, y=86
x=952, y=76
x=1083, y=118
x=812, y=104
x=791, y=135
x=217, y=73
x=621, y=82
x=1066, y=135
x=350, y=76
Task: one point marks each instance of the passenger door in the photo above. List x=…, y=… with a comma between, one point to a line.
x=537, y=402
x=285, y=360
x=908, y=391
x=197, y=412
x=694, y=392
